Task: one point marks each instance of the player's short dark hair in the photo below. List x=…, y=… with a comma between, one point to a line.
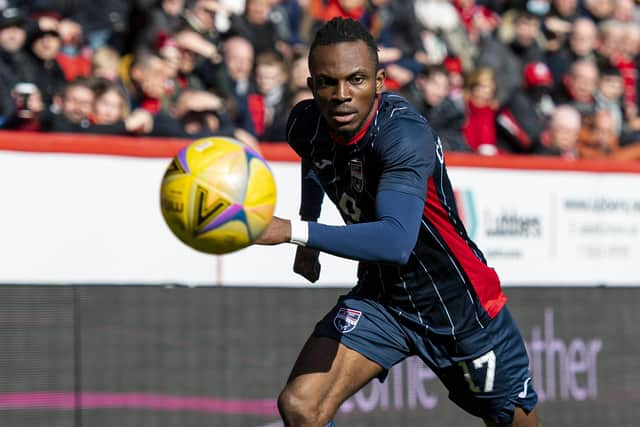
x=339, y=30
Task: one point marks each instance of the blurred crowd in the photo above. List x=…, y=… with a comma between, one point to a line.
x=548, y=77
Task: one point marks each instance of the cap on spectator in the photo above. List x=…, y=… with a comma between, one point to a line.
x=537, y=74
x=164, y=40
x=452, y=64
x=12, y=17
x=36, y=32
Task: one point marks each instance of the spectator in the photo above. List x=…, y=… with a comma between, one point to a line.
x=482, y=103
x=507, y=60
x=111, y=112
x=72, y=57
x=209, y=64
x=406, y=31
x=579, y=87
x=164, y=17
x=200, y=114
x=626, y=62
x=186, y=77
x=521, y=120
x=239, y=57
x=200, y=17
x=110, y=103
x=73, y=108
x=609, y=94
x=255, y=26
x=558, y=22
x=560, y=137
x=166, y=47
x=611, y=40
x=268, y=106
x=13, y=36
x=443, y=114
x=598, y=10
x=440, y=32
x=598, y=138
x=453, y=66
x=105, y=64
x=625, y=11
x=148, y=78
x=27, y=108
x=40, y=66
x=581, y=44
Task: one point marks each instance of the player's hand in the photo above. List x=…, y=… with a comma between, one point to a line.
x=307, y=264
x=278, y=231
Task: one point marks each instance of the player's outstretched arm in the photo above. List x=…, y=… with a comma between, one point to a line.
x=278, y=231
x=306, y=262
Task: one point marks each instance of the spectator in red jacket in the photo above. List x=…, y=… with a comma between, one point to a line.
x=482, y=104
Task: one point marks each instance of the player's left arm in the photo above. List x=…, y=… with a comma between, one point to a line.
x=406, y=147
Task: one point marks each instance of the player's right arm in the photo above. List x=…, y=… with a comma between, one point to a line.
x=306, y=262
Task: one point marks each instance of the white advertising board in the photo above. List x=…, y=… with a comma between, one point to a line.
x=73, y=218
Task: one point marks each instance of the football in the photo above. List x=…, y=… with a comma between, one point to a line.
x=217, y=195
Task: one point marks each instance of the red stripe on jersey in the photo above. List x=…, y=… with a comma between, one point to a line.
x=483, y=278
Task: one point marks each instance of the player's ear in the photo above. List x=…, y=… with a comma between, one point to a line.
x=380, y=76
x=311, y=86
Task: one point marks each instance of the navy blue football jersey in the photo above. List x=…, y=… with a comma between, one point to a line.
x=446, y=286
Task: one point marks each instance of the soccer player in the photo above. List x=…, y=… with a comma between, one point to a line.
x=423, y=288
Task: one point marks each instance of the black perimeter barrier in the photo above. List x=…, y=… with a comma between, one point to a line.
x=163, y=356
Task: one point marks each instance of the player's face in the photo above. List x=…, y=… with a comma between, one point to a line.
x=345, y=83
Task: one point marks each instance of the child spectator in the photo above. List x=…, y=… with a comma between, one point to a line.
x=482, y=103
x=111, y=111
x=110, y=104
x=105, y=64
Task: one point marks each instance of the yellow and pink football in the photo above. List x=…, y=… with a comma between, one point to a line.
x=217, y=195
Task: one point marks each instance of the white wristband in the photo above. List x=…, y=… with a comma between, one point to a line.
x=299, y=232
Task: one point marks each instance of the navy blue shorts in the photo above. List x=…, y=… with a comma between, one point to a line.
x=486, y=373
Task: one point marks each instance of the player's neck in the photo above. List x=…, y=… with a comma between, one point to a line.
x=351, y=140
